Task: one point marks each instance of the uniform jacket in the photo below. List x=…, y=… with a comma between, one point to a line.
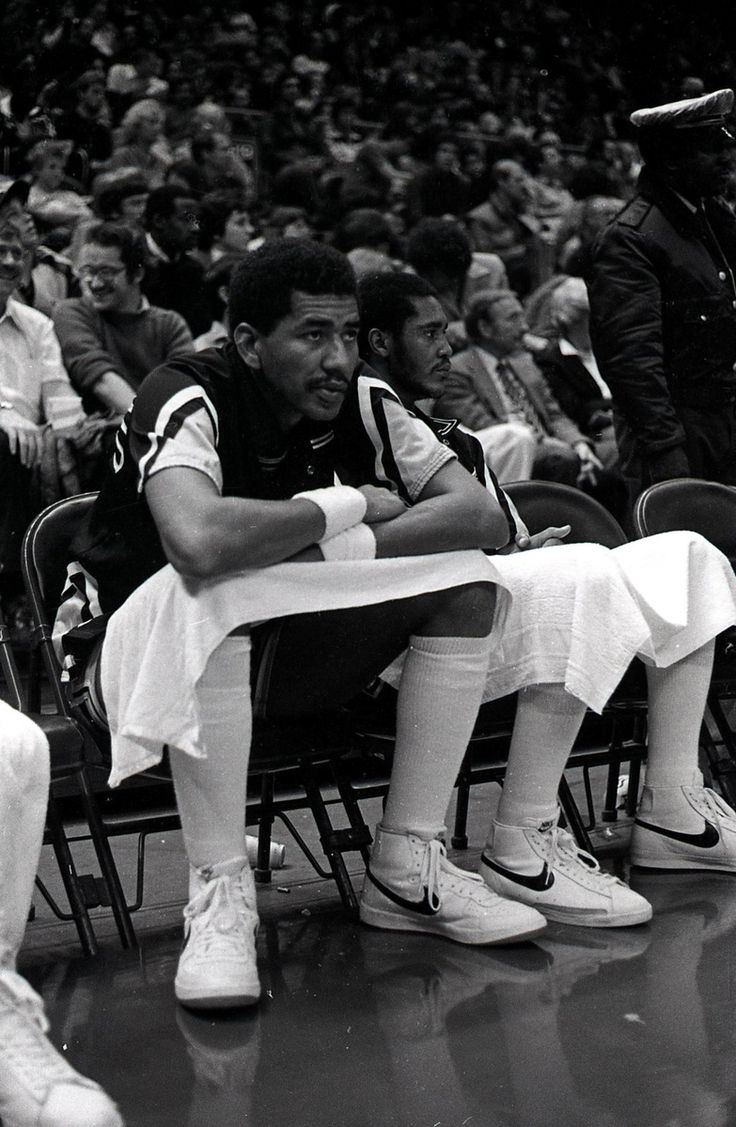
x=663, y=311
x=473, y=396
x=119, y=545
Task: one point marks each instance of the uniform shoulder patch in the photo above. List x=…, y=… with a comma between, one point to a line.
x=634, y=214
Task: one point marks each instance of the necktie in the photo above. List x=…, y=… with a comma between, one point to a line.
x=518, y=397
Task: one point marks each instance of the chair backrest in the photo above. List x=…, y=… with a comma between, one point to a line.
x=43, y=560
x=544, y=503
x=45, y=553
x=706, y=507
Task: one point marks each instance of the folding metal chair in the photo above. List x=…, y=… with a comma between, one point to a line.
x=288, y=763
x=67, y=761
x=709, y=508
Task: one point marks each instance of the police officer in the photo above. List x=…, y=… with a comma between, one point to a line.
x=663, y=299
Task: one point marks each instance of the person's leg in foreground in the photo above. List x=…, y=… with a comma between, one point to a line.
x=411, y=884
x=680, y=823
x=38, y=1087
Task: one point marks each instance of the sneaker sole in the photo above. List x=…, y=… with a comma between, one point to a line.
x=387, y=921
x=683, y=864
x=594, y=919
x=217, y=1001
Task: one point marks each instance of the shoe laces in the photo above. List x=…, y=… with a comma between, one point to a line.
x=17, y=994
x=434, y=863
x=564, y=851
x=222, y=913
x=716, y=806
x=23, y=1044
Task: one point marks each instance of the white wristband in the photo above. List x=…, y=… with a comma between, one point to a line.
x=341, y=505
x=356, y=543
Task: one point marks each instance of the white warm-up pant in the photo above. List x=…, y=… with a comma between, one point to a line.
x=24, y=789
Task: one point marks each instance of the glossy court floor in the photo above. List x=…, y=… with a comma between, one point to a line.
x=360, y=1028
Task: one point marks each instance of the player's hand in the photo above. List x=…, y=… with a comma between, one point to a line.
x=549, y=538
x=382, y=504
x=24, y=437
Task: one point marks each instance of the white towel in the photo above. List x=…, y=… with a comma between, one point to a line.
x=575, y=615
x=579, y=614
x=158, y=643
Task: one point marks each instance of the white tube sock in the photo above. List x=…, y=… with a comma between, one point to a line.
x=211, y=792
x=439, y=697
x=547, y=722
x=677, y=697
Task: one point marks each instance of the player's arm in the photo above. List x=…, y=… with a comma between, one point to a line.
x=453, y=512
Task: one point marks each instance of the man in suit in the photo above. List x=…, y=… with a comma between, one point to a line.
x=570, y=369
x=495, y=381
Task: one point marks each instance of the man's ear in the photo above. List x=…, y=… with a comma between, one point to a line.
x=247, y=339
x=379, y=342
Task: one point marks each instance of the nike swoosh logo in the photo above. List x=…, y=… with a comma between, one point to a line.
x=541, y=882
x=705, y=840
x=423, y=907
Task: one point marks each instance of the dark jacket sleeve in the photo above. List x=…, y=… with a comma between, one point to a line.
x=626, y=331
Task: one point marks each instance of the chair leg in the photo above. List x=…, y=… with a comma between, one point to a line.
x=70, y=879
x=609, y=812
x=459, y=837
x=572, y=814
x=632, y=794
x=330, y=839
x=106, y=862
x=262, y=871
x=361, y=833
x=723, y=766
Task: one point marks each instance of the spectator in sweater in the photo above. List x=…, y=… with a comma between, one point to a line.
x=112, y=337
x=174, y=279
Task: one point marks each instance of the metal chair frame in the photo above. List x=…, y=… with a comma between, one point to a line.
x=279, y=749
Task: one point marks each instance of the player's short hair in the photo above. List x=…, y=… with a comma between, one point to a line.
x=262, y=285
x=386, y=302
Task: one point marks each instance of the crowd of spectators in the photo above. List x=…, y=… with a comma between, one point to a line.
x=483, y=149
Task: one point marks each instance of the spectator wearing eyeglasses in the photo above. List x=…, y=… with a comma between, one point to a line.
x=111, y=337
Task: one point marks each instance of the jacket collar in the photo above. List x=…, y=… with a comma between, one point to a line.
x=682, y=215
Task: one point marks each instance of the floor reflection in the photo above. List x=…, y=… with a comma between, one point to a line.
x=617, y=1028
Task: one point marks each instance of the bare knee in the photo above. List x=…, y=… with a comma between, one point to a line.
x=465, y=611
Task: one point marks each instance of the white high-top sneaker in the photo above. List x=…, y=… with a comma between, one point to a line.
x=411, y=886
x=38, y=1088
x=217, y=966
x=541, y=865
x=697, y=830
